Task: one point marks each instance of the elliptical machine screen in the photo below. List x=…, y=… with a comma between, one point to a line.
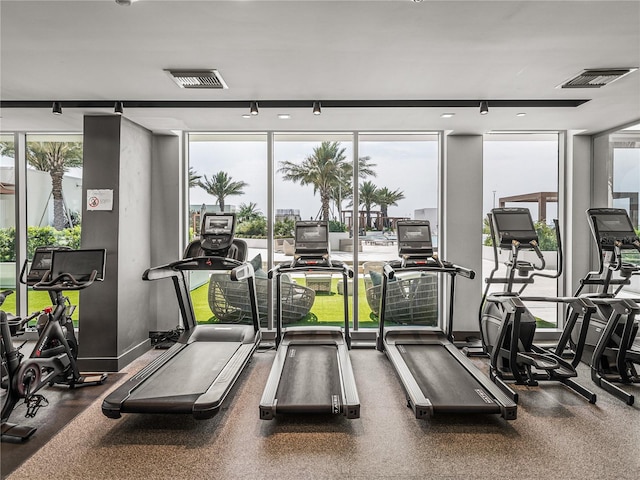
x=513, y=224
x=613, y=225
x=414, y=238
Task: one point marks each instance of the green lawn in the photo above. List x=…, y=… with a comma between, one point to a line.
x=39, y=300
x=327, y=308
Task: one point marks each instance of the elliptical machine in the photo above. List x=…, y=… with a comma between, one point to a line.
x=507, y=326
x=609, y=340
x=53, y=359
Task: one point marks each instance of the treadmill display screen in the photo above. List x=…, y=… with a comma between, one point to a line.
x=311, y=237
x=217, y=224
x=513, y=224
x=78, y=263
x=414, y=238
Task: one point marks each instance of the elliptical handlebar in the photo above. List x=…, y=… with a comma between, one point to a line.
x=4, y=294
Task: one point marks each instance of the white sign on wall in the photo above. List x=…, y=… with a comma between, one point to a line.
x=100, y=199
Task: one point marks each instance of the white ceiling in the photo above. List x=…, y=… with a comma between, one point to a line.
x=321, y=50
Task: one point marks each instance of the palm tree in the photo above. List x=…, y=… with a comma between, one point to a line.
x=56, y=158
x=324, y=169
x=387, y=198
x=328, y=170
x=194, y=178
x=248, y=212
x=221, y=186
x=368, y=195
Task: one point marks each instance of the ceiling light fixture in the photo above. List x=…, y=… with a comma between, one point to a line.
x=317, y=108
x=118, y=108
x=447, y=115
x=484, y=107
x=246, y=115
x=521, y=114
x=125, y=3
x=284, y=116
x=57, y=108
x=253, y=109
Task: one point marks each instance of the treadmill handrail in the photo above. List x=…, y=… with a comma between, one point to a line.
x=194, y=263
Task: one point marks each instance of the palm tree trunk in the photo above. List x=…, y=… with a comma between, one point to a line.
x=58, y=201
x=325, y=199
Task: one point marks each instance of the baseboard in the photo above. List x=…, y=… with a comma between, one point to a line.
x=113, y=364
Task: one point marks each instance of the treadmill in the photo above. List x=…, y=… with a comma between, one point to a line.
x=311, y=372
x=436, y=376
x=195, y=375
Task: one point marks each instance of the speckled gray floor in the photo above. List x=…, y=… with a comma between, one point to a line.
x=557, y=435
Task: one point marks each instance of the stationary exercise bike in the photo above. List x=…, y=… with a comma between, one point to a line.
x=53, y=359
x=507, y=326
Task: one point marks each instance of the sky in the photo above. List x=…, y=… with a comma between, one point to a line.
x=395, y=163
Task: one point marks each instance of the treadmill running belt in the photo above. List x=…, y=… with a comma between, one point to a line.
x=187, y=375
x=444, y=381
x=310, y=380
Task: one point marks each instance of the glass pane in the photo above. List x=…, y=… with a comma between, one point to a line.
x=7, y=220
x=626, y=191
x=403, y=185
x=523, y=172
x=313, y=178
x=54, y=201
x=228, y=172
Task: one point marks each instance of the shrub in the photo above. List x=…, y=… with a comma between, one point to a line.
x=38, y=237
x=284, y=228
x=336, y=226
x=256, y=227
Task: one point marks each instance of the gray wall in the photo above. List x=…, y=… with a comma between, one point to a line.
x=114, y=314
x=166, y=234
x=462, y=224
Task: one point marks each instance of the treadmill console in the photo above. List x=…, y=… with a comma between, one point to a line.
x=513, y=224
x=217, y=232
x=311, y=243
x=611, y=225
x=414, y=239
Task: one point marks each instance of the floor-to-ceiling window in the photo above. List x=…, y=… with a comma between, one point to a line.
x=625, y=179
x=521, y=170
x=404, y=185
x=313, y=180
x=314, y=177
x=228, y=172
x=54, y=200
x=7, y=220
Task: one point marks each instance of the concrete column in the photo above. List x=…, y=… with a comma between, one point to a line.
x=462, y=220
x=115, y=315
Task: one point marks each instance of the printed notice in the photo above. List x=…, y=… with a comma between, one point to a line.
x=100, y=199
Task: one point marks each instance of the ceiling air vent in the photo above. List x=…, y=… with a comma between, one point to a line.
x=197, y=79
x=596, y=77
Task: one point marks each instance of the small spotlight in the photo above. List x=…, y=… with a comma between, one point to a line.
x=521, y=114
x=254, y=108
x=246, y=115
x=284, y=116
x=125, y=3
x=317, y=109
x=484, y=107
x=447, y=115
x=57, y=108
x=118, y=108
